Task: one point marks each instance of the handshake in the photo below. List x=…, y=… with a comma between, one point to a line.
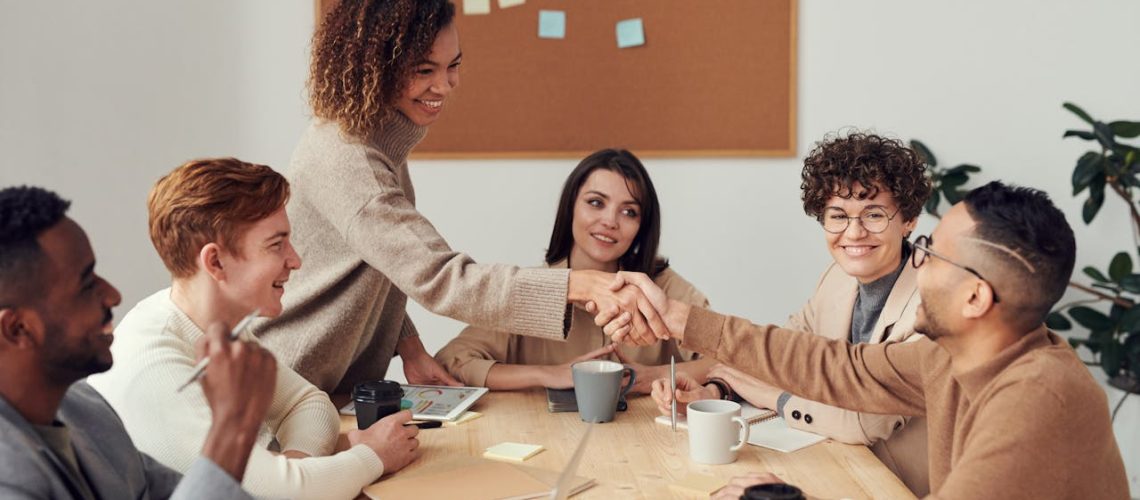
x=629, y=306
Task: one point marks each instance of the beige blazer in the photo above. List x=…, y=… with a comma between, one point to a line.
x=470, y=356
x=900, y=442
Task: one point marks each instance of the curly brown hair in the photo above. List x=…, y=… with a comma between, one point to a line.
x=363, y=57
x=875, y=162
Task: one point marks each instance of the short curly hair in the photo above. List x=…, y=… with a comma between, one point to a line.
x=25, y=213
x=363, y=57
x=840, y=161
x=210, y=200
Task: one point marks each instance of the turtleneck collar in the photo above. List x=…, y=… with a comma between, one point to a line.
x=397, y=136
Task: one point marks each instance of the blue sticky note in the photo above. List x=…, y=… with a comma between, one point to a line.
x=630, y=33
x=551, y=24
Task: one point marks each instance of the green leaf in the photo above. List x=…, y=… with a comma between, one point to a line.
x=952, y=195
x=1132, y=350
x=1125, y=129
x=1120, y=267
x=1079, y=112
x=1088, y=166
x=1058, y=322
x=1111, y=357
x=954, y=179
x=1088, y=136
x=932, y=204
x=1104, y=135
x=923, y=152
x=1075, y=343
x=1096, y=199
x=1131, y=283
x=965, y=168
x=1095, y=274
x=1090, y=208
x=1090, y=318
x=1130, y=320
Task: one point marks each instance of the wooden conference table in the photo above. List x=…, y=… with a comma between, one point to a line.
x=634, y=457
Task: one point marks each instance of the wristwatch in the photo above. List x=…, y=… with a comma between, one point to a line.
x=726, y=392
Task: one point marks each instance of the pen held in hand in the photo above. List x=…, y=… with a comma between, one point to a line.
x=200, y=368
x=673, y=390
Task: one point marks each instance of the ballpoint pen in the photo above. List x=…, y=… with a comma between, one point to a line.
x=200, y=368
x=673, y=390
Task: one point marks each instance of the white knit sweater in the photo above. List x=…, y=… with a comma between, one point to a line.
x=154, y=354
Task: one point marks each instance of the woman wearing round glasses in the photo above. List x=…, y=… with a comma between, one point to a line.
x=867, y=192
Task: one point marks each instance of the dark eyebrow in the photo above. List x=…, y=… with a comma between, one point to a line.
x=599, y=193
x=432, y=63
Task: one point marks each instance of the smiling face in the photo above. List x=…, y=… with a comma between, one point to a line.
x=860, y=253
x=255, y=276
x=607, y=217
x=433, y=79
x=75, y=317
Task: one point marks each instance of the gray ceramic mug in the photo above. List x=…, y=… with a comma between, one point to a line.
x=597, y=388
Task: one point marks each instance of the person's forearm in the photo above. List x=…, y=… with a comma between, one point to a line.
x=228, y=445
x=508, y=377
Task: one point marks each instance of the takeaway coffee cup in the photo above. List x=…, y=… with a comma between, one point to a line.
x=716, y=431
x=597, y=388
x=375, y=400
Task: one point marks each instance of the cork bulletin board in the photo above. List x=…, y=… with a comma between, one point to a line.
x=713, y=78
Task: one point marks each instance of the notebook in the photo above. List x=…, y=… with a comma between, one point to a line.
x=766, y=429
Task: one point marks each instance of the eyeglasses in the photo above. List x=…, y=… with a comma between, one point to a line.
x=922, y=250
x=874, y=220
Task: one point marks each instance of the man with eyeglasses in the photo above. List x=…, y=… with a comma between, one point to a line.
x=1011, y=411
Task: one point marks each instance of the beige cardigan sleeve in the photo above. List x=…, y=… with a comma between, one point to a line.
x=354, y=188
x=470, y=356
x=878, y=378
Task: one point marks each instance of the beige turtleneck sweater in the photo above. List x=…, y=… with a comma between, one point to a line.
x=365, y=249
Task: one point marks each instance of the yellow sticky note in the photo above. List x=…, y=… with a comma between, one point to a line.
x=463, y=419
x=515, y=452
x=510, y=3
x=474, y=7
x=699, y=483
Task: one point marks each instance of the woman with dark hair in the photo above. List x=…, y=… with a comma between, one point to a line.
x=381, y=74
x=866, y=192
x=608, y=220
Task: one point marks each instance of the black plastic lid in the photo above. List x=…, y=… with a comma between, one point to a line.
x=377, y=390
x=772, y=491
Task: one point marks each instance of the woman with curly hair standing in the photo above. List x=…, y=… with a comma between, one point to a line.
x=381, y=74
x=867, y=192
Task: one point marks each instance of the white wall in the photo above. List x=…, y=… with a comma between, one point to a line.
x=98, y=100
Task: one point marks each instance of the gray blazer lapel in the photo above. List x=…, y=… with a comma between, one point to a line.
x=27, y=436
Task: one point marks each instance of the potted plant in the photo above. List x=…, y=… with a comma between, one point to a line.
x=1113, y=336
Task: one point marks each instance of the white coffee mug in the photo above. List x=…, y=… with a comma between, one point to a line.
x=716, y=431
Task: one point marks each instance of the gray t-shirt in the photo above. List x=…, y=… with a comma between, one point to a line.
x=58, y=438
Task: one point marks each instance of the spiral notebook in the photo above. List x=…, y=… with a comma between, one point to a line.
x=766, y=429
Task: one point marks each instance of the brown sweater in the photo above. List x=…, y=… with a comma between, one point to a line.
x=1030, y=423
x=365, y=249
x=470, y=356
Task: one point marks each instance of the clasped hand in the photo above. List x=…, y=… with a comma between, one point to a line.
x=633, y=310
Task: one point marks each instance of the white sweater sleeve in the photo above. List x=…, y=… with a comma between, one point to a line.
x=171, y=427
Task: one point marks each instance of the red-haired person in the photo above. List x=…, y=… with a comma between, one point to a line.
x=220, y=227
